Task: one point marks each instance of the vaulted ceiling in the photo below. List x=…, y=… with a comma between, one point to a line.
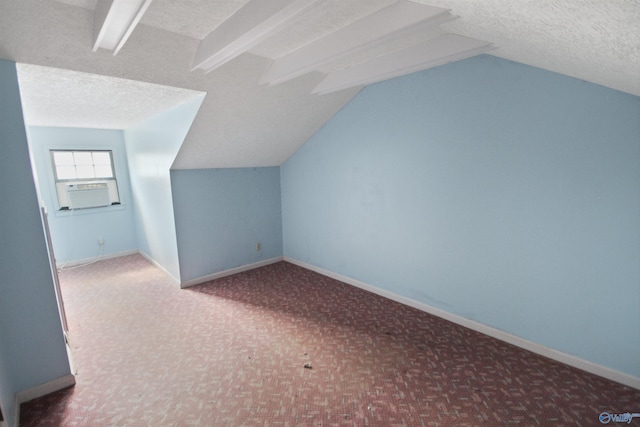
x=275, y=71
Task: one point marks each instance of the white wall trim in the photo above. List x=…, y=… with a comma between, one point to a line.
x=91, y=260
x=158, y=266
x=229, y=272
x=41, y=390
x=567, y=359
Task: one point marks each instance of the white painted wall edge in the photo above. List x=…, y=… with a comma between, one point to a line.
x=567, y=359
x=41, y=390
x=88, y=261
x=158, y=266
x=229, y=272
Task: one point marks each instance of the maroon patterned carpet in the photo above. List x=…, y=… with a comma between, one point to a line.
x=232, y=353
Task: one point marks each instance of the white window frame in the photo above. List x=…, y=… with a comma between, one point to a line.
x=63, y=183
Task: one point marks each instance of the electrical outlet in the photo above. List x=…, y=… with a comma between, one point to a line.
x=100, y=241
x=258, y=246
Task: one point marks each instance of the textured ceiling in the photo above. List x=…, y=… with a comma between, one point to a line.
x=191, y=18
x=328, y=16
x=52, y=96
x=243, y=123
x=594, y=40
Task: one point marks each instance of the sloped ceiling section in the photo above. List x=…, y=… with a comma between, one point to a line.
x=275, y=71
x=52, y=96
x=593, y=40
x=256, y=21
x=367, y=38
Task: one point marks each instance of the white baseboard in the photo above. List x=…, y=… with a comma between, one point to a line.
x=158, y=266
x=229, y=272
x=41, y=390
x=567, y=359
x=95, y=259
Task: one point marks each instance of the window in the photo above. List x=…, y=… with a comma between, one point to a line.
x=84, y=179
x=74, y=165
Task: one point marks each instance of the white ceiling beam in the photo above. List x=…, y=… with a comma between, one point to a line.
x=100, y=23
x=253, y=23
x=373, y=30
x=442, y=50
x=115, y=20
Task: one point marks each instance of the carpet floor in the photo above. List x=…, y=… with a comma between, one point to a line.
x=284, y=346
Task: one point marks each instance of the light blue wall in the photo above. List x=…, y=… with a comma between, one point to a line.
x=496, y=191
x=220, y=216
x=7, y=393
x=151, y=149
x=75, y=233
x=32, y=351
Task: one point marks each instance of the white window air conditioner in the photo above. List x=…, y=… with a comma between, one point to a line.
x=82, y=195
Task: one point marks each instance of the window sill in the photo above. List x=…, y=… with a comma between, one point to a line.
x=89, y=211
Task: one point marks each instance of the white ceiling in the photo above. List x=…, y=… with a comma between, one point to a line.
x=83, y=100
x=244, y=123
